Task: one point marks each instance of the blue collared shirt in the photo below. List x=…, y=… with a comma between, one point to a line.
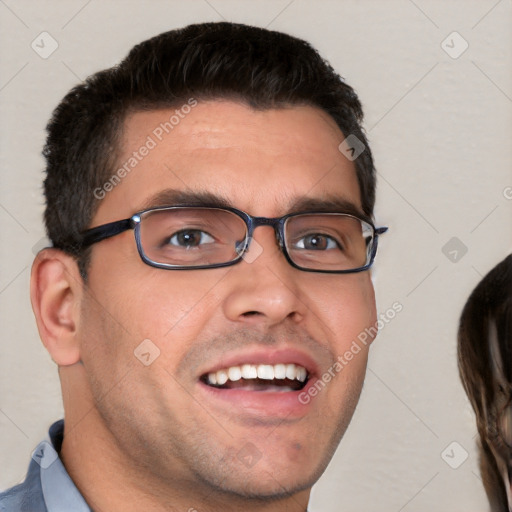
x=47, y=486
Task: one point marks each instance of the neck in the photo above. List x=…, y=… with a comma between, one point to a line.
x=109, y=479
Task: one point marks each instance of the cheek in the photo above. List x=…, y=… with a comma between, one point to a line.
x=176, y=305
x=107, y=339
x=153, y=303
x=346, y=307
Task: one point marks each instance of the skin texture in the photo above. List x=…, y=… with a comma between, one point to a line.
x=145, y=437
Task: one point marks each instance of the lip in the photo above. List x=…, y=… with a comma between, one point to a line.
x=263, y=405
x=276, y=405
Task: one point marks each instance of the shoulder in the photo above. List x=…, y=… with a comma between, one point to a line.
x=27, y=496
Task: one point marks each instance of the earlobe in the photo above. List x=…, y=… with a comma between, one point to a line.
x=55, y=291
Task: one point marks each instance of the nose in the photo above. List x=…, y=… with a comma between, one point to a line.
x=264, y=288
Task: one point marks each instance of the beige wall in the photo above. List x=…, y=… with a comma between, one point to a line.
x=441, y=130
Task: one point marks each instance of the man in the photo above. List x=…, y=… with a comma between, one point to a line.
x=210, y=205
x=485, y=365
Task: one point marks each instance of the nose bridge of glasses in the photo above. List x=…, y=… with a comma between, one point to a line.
x=273, y=222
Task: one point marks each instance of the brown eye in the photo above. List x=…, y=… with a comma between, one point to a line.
x=316, y=242
x=190, y=238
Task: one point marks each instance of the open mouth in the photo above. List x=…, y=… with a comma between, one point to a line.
x=259, y=377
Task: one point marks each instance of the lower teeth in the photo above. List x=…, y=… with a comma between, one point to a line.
x=259, y=385
x=262, y=389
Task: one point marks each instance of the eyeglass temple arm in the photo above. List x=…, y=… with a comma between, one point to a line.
x=91, y=236
x=380, y=231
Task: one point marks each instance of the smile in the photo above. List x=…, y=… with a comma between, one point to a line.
x=262, y=384
x=283, y=377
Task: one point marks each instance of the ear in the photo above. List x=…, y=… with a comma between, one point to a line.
x=55, y=292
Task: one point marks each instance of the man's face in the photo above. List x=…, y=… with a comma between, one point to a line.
x=165, y=418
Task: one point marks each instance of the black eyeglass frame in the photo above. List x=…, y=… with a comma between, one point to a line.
x=104, y=231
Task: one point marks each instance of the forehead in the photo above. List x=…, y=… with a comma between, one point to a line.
x=258, y=161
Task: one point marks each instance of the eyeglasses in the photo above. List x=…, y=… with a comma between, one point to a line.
x=200, y=237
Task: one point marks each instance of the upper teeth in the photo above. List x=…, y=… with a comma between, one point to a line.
x=260, y=371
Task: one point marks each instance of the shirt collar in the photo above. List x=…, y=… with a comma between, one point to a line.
x=59, y=492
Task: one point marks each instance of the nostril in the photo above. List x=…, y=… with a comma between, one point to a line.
x=251, y=313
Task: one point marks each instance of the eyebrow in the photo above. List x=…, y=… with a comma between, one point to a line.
x=175, y=197
x=330, y=204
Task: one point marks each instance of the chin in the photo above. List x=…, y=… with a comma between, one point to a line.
x=264, y=486
x=266, y=480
